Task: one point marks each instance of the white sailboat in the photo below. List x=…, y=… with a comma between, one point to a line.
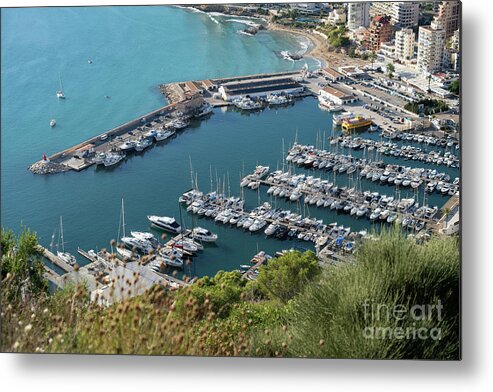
x=65, y=256
x=59, y=93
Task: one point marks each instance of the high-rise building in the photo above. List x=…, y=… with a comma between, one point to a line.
x=404, y=45
x=380, y=30
x=431, y=43
x=447, y=18
x=358, y=15
x=402, y=13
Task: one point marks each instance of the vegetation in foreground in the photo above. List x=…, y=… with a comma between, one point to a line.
x=294, y=309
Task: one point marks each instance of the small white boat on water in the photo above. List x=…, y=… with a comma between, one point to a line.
x=52, y=123
x=165, y=223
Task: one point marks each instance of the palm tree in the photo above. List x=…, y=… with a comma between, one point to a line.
x=446, y=212
x=372, y=57
x=390, y=70
x=429, y=82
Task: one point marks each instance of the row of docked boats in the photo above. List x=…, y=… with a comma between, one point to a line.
x=172, y=253
x=142, y=137
x=273, y=222
x=426, y=139
x=324, y=194
x=406, y=152
x=391, y=174
x=247, y=103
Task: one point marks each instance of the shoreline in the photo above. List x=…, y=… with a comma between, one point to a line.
x=315, y=49
x=319, y=49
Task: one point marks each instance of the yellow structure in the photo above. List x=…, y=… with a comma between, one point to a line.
x=352, y=124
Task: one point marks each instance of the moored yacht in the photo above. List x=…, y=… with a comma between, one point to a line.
x=203, y=234
x=165, y=223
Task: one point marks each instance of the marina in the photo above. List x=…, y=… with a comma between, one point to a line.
x=226, y=132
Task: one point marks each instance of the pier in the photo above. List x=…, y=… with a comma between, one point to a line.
x=187, y=100
x=54, y=259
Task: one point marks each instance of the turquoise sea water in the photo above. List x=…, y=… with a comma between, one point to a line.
x=133, y=50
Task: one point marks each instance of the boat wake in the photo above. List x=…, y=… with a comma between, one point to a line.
x=245, y=22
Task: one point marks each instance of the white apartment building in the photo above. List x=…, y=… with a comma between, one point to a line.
x=358, y=15
x=402, y=13
x=336, y=17
x=431, y=43
x=404, y=45
x=387, y=49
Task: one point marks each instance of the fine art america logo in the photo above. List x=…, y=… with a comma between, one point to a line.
x=400, y=321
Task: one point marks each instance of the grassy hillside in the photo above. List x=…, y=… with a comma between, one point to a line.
x=398, y=300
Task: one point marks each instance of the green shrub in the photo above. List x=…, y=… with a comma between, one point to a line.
x=284, y=277
x=345, y=315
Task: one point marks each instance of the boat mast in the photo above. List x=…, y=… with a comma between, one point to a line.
x=61, y=233
x=123, y=217
x=210, y=175
x=191, y=172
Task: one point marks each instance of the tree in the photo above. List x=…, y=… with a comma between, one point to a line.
x=286, y=276
x=372, y=56
x=22, y=263
x=454, y=87
x=390, y=70
x=429, y=82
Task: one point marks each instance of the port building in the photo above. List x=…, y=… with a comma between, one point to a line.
x=339, y=97
x=260, y=87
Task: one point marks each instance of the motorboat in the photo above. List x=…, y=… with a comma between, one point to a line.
x=52, y=123
x=112, y=158
x=392, y=217
x=142, y=144
x=127, y=145
x=257, y=225
x=163, y=135
x=273, y=99
x=203, y=234
x=205, y=110
x=247, y=104
x=165, y=223
x=271, y=229
x=375, y=214
x=140, y=245
x=178, y=123
x=145, y=236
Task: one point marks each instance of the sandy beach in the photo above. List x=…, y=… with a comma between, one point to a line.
x=319, y=48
